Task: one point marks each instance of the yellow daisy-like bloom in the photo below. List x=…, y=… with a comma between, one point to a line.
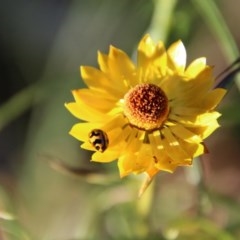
x=151, y=116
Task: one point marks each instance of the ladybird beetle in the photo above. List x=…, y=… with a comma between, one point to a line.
x=99, y=139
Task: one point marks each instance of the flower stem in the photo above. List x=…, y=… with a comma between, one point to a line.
x=161, y=19
x=218, y=26
x=19, y=103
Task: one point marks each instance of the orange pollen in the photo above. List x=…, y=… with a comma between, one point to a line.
x=146, y=106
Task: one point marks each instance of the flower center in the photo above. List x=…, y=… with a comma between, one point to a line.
x=146, y=106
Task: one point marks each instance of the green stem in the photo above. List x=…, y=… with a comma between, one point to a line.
x=195, y=176
x=19, y=103
x=215, y=21
x=161, y=19
x=218, y=26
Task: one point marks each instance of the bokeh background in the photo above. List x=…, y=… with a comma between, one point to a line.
x=48, y=188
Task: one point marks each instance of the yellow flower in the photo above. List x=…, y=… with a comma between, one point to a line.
x=150, y=116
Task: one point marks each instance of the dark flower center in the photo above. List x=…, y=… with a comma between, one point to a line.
x=146, y=106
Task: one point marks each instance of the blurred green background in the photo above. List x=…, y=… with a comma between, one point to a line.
x=42, y=45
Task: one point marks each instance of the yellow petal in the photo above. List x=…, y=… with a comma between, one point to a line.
x=184, y=110
x=84, y=112
x=185, y=120
x=121, y=68
x=212, y=126
x=136, y=162
x=212, y=99
x=185, y=134
x=126, y=132
x=200, y=86
x=177, y=56
x=81, y=130
x=172, y=146
x=197, y=66
x=131, y=163
x=192, y=91
x=152, y=60
x=161, y=160
x=133, y=143
x=193, y=149
x=167, y=165
x=116, y=142
x=146, y=48
x=103, y=62
x=207, y=118
x=94, y=78
x=125, y=164
x=107, y=156
x=87, y=146
x=117, y=121
x=155, y=140
x=196, y=121
x=95, y=99
x=205, y=130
